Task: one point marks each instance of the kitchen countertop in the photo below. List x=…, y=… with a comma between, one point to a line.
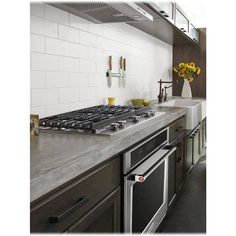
x=57, y=158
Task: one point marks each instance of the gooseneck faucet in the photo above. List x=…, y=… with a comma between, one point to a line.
x=161, y=90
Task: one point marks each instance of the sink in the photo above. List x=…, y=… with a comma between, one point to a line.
x=196, y=110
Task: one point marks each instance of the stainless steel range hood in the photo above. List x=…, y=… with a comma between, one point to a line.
x=106, y=12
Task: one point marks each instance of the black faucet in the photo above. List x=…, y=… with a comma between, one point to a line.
x=161, y=90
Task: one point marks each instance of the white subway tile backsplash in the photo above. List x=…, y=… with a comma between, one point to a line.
x=43, y=62
x=67, y=33
x=68, y=95
x=56, y=109
x=79, y=23
x=57, y=79
x=69, y=60
x=87, y=38
x=58, y=47
x=88, y=66
x=37, y=43
x=55, y=14
x=37, y=79
x=37, y=9
x=67, y=64
x=40, y=97
x=42, y=26
x=78, y=79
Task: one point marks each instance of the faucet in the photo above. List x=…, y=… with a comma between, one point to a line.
x=166, y=87
x=161, y=90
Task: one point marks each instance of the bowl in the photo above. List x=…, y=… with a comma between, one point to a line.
x=140, y=102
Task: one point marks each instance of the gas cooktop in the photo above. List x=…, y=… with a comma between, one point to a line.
x=102, y=119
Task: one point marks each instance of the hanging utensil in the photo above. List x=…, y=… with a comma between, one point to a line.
x=109, y=72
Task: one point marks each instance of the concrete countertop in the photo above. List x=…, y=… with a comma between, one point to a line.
x=57, y=158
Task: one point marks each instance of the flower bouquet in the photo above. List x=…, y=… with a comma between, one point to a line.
x=188, y=71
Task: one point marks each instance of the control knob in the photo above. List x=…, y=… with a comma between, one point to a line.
x=122, y=124
x=136, y=118
x=152, y=112
x=147, y=114
x=114, y=126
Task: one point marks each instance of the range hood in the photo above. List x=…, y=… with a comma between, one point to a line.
x=106, y=12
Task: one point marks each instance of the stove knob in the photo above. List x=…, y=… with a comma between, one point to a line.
x=136, y=118
x=114, y=126
x=147, y=114
x=152, y=112
x=122, y=123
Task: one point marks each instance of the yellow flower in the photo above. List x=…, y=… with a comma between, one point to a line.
x=181, y=65
x=190, y=79
x=181, y=74
x=198, y=70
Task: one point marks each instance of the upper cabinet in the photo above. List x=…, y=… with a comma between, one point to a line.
x=181, y=20
x=166, y=9
x=193, y=33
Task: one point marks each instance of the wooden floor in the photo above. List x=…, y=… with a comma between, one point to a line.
x=188, y=214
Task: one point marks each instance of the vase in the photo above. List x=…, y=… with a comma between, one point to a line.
x=186, y=91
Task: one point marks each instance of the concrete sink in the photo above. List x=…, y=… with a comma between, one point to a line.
x=196, y=110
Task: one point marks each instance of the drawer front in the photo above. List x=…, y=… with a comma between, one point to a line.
x=177, y=128
x=67, y=206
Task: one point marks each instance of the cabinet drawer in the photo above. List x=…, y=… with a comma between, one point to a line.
x=68, y=205
x=177, y=128
x=103, y=218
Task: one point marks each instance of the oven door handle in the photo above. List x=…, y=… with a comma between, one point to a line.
x=142, y=177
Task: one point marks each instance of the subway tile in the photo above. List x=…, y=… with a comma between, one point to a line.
x=67, y=64
x=79, y=22
x=103, y=43
x=37, y=43
x=37, y=9
x=67, y=33
x=95, y=53
x=68, y=95
x=78, y=79
x=40, y=97
x=58, y=47
x=87, y=38
x=88, y=66
x=43, y=62
x=56, y=109
x=55, y=14
x=56, y=79
x=42, y=26
x=37, y=79
x=87, y=93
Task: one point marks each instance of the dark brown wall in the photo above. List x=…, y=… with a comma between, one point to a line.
x=196, y=54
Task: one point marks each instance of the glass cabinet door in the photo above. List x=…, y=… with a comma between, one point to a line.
x=181, y=20
x=167, y=9
x=193, y=33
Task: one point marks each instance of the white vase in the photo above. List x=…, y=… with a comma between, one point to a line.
x=186, y=91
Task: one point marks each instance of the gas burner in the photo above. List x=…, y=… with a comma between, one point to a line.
x=98, y=119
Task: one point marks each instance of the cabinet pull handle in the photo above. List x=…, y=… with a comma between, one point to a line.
x=164, y=13
x=183, y=30
x=81, y=201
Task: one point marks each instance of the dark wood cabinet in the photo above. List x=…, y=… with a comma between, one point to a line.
x=103, y=218
x=177, y=159
x=180, y=155
x=70, y=204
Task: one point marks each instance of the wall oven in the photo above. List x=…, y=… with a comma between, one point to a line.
x=146, y=183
